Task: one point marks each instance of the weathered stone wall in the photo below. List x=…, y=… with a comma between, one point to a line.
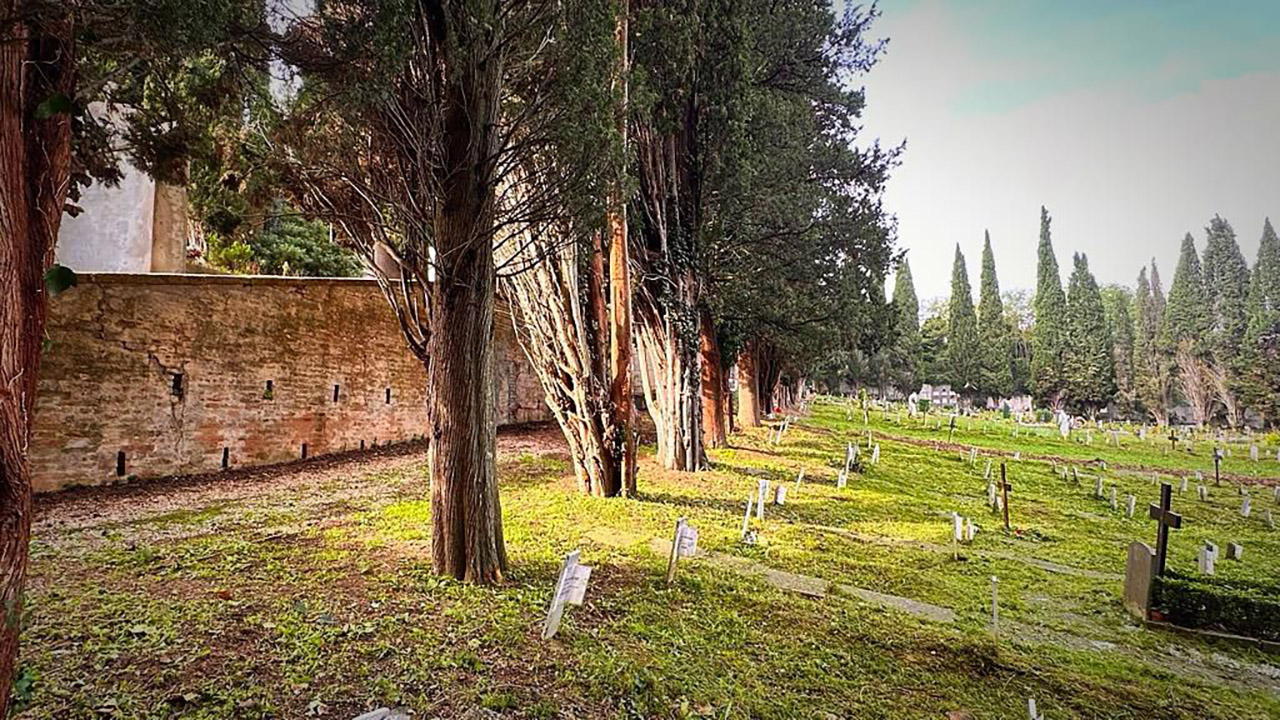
x=173, y=372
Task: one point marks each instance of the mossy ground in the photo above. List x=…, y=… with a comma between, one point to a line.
x=314, y=597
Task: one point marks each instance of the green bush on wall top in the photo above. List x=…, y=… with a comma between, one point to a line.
x=1248, y=608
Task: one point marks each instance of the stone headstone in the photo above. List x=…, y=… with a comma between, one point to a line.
x=991, y=495
x=1246, y=506
x=762, y=493
x=1278, y=494
x=1266, y=518
x=875, y=455
x=746, y=518
x=1183, y=487
x=1202, y=492
x=1199, y=476
x=1017, y=455
x=1114, y=505
x=1031, y=710
x=1075, y=475
x=1207, y=557
x=1253, y=453
x=970, y=530
x=986, y=474
x=1129, y=506
x=973, y=455
x=780, y=495
x=1097, y=488
x=841, y=480
x=1139, y=572
x=1235, y=551
x=958, y=523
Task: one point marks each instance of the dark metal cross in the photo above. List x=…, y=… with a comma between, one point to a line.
x=1165, y=519
x=1217, y=462
x=952, y=430
x=1005, y=487
x=1173, y=440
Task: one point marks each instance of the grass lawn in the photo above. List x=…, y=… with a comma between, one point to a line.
x=307, y=591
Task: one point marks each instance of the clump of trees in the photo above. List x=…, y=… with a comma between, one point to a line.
x=1210, y=346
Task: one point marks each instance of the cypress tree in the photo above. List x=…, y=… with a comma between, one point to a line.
x=1260, y=378
x=962, y=331
x=996, y=372
x=906, y=350
x=1226, y=284
x=1087, y=370
x=1118, y=303
x=1186, y=317
x=1050, y=311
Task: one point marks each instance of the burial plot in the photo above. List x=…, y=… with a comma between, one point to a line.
x=571, y=589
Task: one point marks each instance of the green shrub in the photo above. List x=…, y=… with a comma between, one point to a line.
x=923, y=404
x=1250, y=608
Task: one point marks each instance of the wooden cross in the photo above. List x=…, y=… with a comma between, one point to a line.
x=1165, y=519
x=1005, y=487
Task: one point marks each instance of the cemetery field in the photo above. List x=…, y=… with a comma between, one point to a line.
x=307, y=591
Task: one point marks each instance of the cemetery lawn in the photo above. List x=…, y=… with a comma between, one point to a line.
x=307, y=592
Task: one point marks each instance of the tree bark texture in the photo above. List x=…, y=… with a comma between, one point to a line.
x=37, y=62
x=466, y=516
x=714, y=433
x=748, y=387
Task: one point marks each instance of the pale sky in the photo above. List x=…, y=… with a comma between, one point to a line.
x=1133, y=121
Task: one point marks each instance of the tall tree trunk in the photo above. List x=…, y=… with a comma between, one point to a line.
x=466, y=516
x=713, y=411
x=620, y=343
x=748, y=387
x=669, y=369
x=36, y=63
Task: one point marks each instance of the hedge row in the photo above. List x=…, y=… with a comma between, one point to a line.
x=1248, y=608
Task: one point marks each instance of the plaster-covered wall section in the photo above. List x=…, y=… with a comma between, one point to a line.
x=113, y=233
x=158, y=375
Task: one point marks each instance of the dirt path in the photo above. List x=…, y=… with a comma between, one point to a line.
x=341, y=477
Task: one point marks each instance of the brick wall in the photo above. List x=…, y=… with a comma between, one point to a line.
x=157, y=375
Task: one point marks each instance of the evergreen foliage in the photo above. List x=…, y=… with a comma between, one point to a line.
x=995, y=377
x=1260, y=352
x=1087, y=362
x=1049, y=332
x=905, y=358
x=1117, y=301
x=1186, y=317
x=962, y=333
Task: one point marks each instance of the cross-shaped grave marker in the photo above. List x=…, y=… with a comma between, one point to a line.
x=1217, y=462
x=1165, y=518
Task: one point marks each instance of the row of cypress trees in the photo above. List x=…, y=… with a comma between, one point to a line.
x=1213, y=346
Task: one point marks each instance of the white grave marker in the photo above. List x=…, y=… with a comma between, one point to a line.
x=571, y=589
x=875, y=455
x=1246, y=506
x=762, y=492
x=780, y=496
x=1129, y=506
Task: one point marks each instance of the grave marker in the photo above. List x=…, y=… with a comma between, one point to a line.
x=746, y=519
x=762, y=492
x=684, y=544
x=1253, y=453
x=875, y=455
x=1031, y=710
x=571, y=589
x=1097, y=488
x=995, y=606
x=1183, y=487
x=1165, y=520
x=1114, y=506
x=1005, y=487
x=973, y=455
x=1202, y=492
x=1129, y=506
x=1266, y=518
x=1207, y=557
x=1246, y=506
x=986, y=474
x=1235, y=551
x=780, y=495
